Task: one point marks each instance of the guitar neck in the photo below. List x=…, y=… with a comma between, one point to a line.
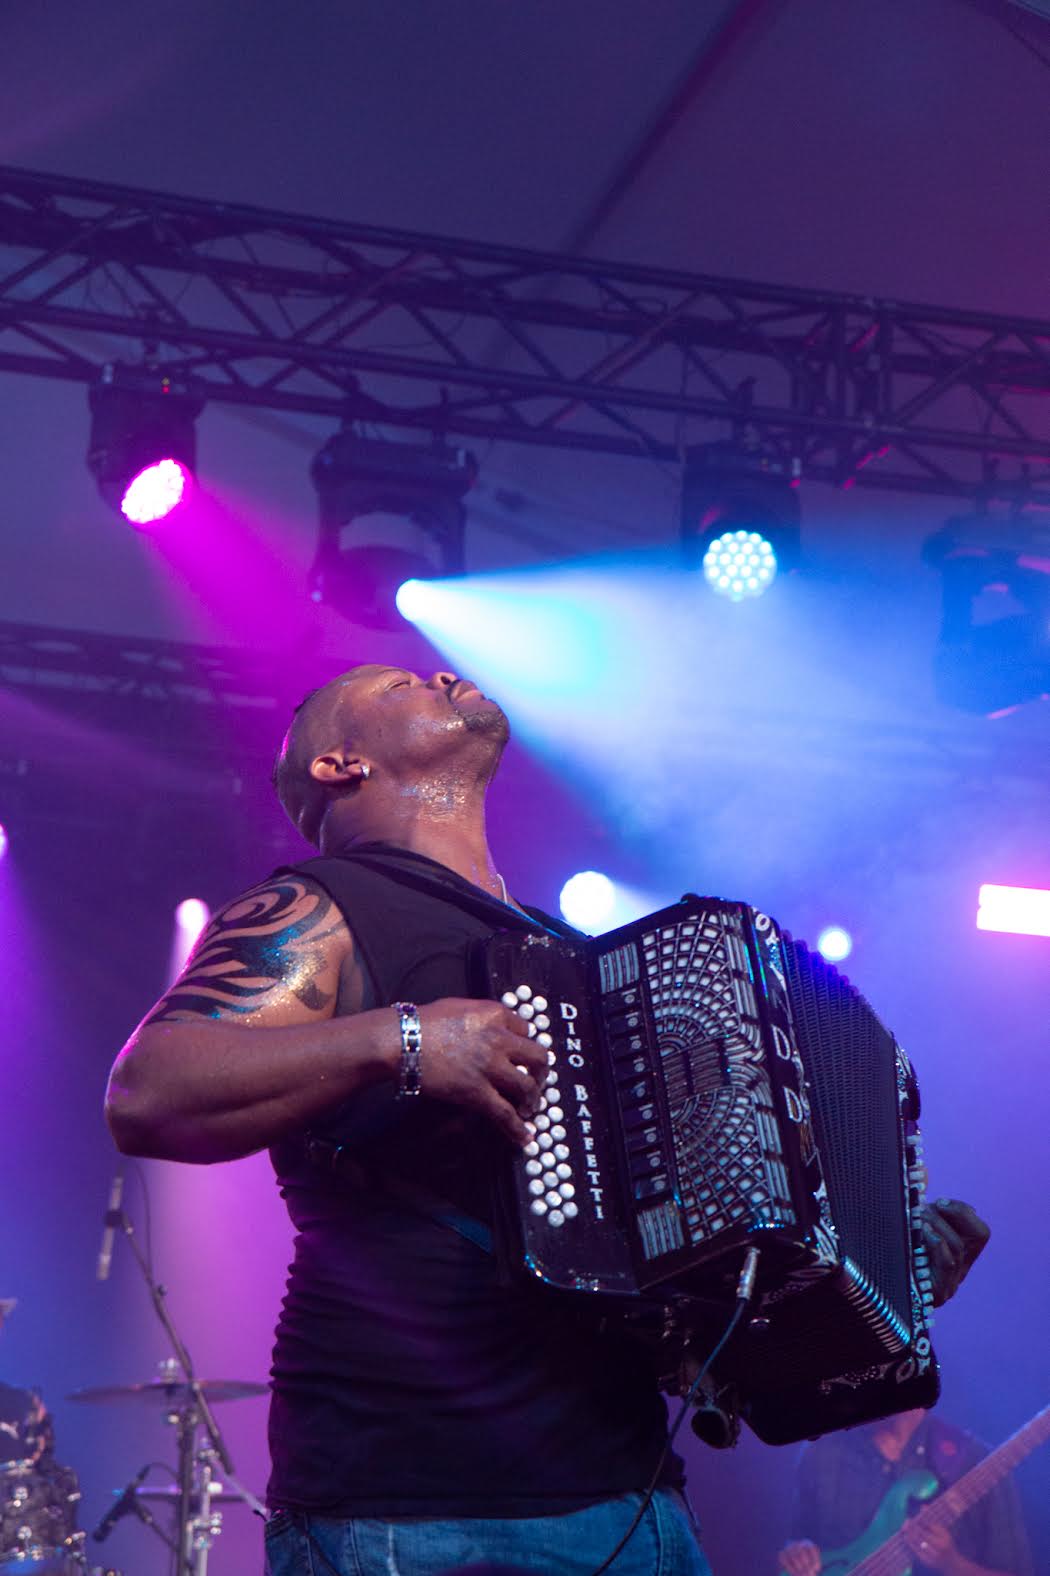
x=975, y=1483
x=894, y=1556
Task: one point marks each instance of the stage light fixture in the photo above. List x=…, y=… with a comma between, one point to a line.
x=740, y=519
x=994, y=647
x=143, y=445
x=389, y=513
x=3, y=841
x=1019, y=911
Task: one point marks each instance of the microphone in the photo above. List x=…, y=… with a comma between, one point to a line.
x=111, y=1220
x=125, y=1504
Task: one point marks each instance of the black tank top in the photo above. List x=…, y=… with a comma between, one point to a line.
x=409, y=1379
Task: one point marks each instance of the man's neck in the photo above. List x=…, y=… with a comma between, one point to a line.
x=452, y=835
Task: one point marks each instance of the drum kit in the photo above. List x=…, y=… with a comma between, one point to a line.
x=39, y=1499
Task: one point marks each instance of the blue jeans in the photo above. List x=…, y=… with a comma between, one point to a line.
x=664, y=1543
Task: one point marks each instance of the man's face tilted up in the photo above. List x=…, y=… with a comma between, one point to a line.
x=401, y=721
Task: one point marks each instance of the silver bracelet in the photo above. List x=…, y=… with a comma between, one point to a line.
x=409, y=1081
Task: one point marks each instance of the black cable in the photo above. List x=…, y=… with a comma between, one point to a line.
x=745, y=1287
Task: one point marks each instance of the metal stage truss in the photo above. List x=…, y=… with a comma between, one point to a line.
x=477, y=341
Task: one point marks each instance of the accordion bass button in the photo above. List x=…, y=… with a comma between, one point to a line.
x=569, y=1210
x=537, y=1187
x=532, y=1149
x=523, y=993
x=538, y=1207
x=542, y=1021
x=532, y=1168
x=555, y=1112
x=558, y=1133
x=561, y=1151
x=545, y=1140
x=556, y=1217
x=546, y=1041
x=567, y=1189
x=526, y=1010
x=509, y=999
x=541, y=1121
x=540, y=1003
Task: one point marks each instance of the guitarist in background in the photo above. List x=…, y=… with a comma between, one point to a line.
x=844, y=1478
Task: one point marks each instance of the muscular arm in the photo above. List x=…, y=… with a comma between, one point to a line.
x=244, y=1047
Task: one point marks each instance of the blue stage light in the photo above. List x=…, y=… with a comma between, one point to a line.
x=834, y=943
x=739, y=564
x=587, y=901
x=411, y=599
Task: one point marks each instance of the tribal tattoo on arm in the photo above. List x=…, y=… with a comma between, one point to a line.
x=272, y=954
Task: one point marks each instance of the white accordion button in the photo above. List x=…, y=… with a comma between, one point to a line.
x=538, y=1207
x=555, y=1112
x=561, y=1151
x=552, y=1094
x=542, y=1021
x=532, y=1031
x=544, y=1040
x=509, y=999
x=556, y=1132
x=537, y=1187
x=526, y=1010
x=554, y=1199
x=546, y=1161
x=532, y=1148
x=545, y=1140
x=532, y=1168
x=540, y=1003
x=542, y=1122
x=523, y=993
x=570, y=1211
x=565, y=1172
x=556, y=1217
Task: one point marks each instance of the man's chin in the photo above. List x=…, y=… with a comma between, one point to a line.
x=485, y=716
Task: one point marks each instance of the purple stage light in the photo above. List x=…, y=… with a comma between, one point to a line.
x=1019, y=911
x=3, y=841
x=155, y=492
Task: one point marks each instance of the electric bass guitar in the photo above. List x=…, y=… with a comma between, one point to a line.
x=881, y=1550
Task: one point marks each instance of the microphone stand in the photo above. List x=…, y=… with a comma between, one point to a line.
x=194, y=1530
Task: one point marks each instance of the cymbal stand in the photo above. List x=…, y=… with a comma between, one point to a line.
x=196, y=1523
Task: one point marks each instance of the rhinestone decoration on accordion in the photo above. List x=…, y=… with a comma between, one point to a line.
x=551, y=1182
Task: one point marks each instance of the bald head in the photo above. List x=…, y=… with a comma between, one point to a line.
x=321, y=722
x=376, y=743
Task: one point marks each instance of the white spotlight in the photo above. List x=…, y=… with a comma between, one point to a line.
x=587, y=901
x=834, y=943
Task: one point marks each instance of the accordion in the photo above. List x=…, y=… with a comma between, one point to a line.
x=715, y=1086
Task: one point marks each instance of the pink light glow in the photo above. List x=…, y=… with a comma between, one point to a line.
x=1019, y=911
x=3, y=841
x=155, y=492
x=191, y=916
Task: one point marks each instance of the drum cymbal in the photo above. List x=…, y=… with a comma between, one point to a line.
x=156, y=1392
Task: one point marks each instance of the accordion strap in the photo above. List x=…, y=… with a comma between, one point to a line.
x=333, y=1159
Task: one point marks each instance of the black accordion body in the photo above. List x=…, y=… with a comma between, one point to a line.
x=717, y=1086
